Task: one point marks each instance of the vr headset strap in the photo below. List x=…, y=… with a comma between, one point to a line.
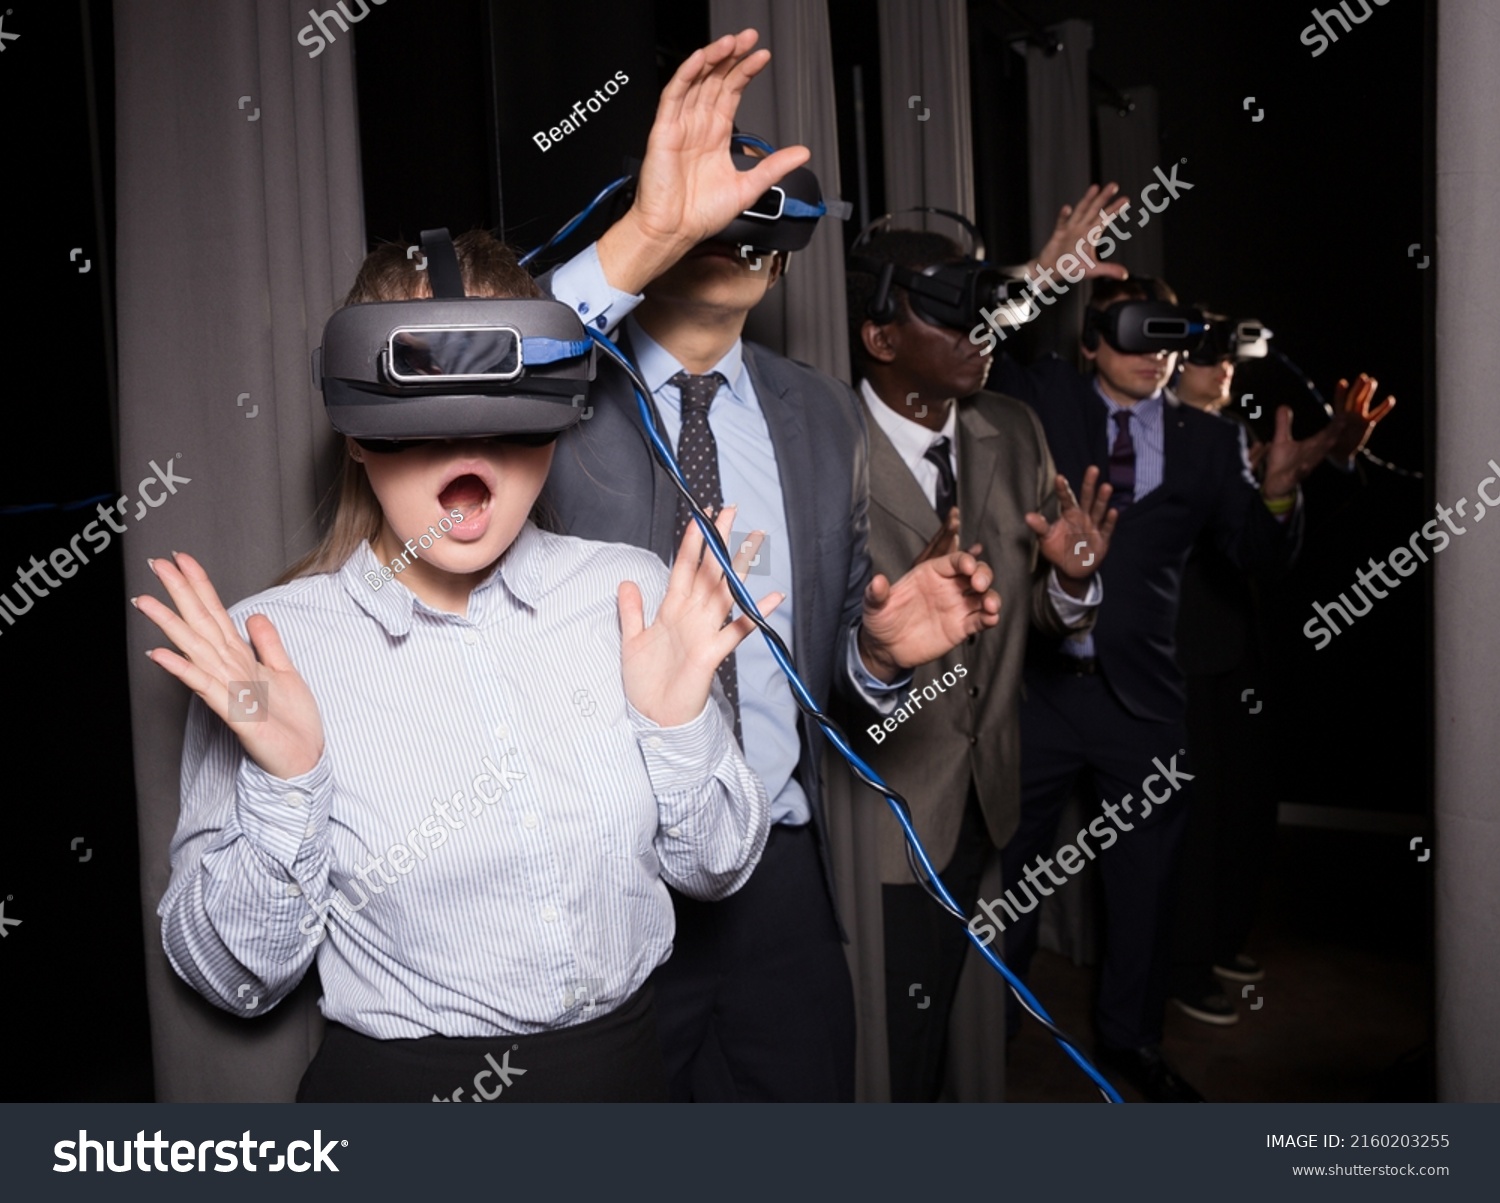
x=442, y=264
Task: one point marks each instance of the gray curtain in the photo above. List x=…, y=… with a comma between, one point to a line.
x=1467, y=577
x=1057, y=127
x=1129, y=149
x=924, y=53
x=240, y=227
x=791, y=103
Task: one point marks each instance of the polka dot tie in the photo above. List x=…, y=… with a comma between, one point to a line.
x=698, y=456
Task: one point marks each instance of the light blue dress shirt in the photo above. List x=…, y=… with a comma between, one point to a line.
x=749, y=476
x=482, y=848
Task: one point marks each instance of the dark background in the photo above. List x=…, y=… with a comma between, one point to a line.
x=1302, y=220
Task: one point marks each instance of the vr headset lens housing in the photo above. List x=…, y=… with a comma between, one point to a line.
x=1146, y=327
x=783, y=218
x=415, y=354
x=450, y=368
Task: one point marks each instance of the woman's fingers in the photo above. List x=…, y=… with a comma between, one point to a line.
x=632, y=613
x=268, y=645
x=205, y=685
x=204, y=653
x=184, y=595
x=745, y=625
x=207, y=594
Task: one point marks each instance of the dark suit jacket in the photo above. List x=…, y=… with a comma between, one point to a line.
x=1205, y=490
x=606, y=485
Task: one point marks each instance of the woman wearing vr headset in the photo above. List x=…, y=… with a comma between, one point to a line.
x=560, y=694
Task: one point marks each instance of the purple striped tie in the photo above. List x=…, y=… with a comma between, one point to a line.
x=1122, y=463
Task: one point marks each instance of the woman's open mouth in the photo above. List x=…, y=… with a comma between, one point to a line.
x=470, y=495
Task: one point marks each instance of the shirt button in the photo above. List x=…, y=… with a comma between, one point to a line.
x=310, y=832
x=549, y=914
x=973, y=691
x=294, y=890
x=502, y=732
x=583, y=306
x=471, y=638
x=653, y=742
x=973, y=739
x=600, y=322
x=294, y=799
x=674, y=830
x=531, y=820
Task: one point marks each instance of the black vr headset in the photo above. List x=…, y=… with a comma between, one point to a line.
x=945, y=294
x=453, y=367
x=785, y=216
x=1144, y=327
x=782, y=219
x=1241, y=340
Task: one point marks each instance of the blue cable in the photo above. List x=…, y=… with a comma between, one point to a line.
x=577, y=220
x=835, y=736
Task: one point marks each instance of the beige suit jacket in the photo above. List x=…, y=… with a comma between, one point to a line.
x=969, y=732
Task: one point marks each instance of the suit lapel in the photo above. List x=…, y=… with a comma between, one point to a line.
x=978, y=466
x=664, y=493
x=895, y=490
x=797, y=471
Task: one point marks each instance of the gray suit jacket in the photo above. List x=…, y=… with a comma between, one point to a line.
x=969, y=731
x=606, y=485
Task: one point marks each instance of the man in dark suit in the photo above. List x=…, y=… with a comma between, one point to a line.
x=1112, y=701
x=956, y=756
x=755, y=1004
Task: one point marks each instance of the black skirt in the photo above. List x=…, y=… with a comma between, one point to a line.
x=615, y=1058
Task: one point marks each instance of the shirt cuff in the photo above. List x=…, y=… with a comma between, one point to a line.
x=1074, y=611
x=281, y=817
x=682, y=757
x=881, y=695
x=580, y=284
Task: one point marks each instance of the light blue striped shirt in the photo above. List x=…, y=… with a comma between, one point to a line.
x=1148, y=431
x=482, y=848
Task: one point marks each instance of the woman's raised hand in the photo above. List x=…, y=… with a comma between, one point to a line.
x=670, y=665
x=286, y=737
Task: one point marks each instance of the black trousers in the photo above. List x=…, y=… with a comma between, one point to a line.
x=924, y=957
x=613, y=1059
x=1231, y=830
x=755, y=1003
x=1070, y=723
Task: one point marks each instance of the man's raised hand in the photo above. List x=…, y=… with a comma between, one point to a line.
x=689, y=188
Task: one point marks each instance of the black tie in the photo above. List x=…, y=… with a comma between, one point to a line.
x=1122, y=463
x=947, y=487
x=698, y=456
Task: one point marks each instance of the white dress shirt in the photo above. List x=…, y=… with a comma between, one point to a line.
x=482, y=848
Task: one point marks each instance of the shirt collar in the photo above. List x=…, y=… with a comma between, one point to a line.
x=1145, y=410
x=910, y=438
x=658, y=365
x=521, y=572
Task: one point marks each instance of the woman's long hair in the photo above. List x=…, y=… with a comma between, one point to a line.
x=489, y=269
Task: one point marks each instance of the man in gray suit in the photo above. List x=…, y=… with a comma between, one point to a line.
x=953, y=748
x=755, y=1003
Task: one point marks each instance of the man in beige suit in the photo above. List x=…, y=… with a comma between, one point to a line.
x=952, y=749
